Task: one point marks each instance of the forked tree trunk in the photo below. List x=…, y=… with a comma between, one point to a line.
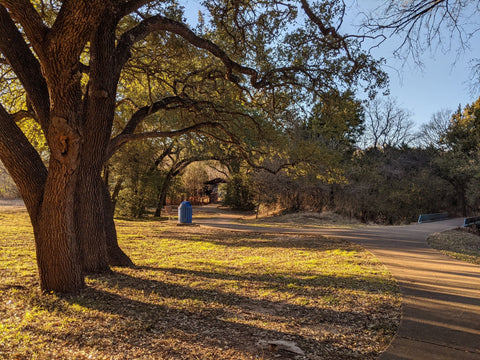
x=66, y=206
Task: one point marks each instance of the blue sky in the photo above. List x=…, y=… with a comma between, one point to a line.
x=444, y=82
x=446, y=79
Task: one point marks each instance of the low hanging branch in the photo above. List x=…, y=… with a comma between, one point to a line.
x=171, y=103
x=143, y=112
x=120, y=140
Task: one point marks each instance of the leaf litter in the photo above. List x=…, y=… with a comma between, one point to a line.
x=202, y=294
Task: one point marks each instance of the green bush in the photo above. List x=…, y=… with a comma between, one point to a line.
x=239, y=195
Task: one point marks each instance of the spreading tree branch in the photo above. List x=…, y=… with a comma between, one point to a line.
x=145, y=111
x=333, y=38
x=117, y=142
x=161, y=23
x=26, y=66
x=22, y=162
x=24, y=12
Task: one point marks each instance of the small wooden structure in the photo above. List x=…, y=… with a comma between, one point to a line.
x=212, y=189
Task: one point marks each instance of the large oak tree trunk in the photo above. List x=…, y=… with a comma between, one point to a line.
x=49, y=200
x=56, y=241
x=55, y=231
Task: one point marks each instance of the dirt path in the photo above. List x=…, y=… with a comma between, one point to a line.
x=8, y=205
x=441, y=296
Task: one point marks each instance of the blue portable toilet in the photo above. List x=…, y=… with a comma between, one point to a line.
x=185, y=213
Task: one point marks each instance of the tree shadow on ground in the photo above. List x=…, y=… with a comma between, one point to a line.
x=313, y=284
x=218, y=320
x=266, y=240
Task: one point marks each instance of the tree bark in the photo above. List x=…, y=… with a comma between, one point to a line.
x=58, y=260
x=90, y=223
x=60, y=244
x=99, y=110
x=49, y=201
x=116, y=256
x=55, y=232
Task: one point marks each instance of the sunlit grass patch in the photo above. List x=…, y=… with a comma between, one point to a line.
x=201, y=294
x=459, y=244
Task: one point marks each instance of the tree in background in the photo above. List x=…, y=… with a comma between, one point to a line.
x=336, y=123
x=459, y=164
x=134, y=177
x=239, y=194
x=387, y=125
x=317, y=149
x=392, y=185
x=432, y=134
x=435, y=24
x=463, y=132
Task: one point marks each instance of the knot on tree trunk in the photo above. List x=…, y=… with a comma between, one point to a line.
x=66, y=142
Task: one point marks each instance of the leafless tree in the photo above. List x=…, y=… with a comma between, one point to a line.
x=431, y=133
x=427, y=24
x=387, y=125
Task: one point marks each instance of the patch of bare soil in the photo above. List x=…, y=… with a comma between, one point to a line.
x=11, y=205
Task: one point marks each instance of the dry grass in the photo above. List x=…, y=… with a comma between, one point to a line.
x=459, y=244
x=305, y=220
x=201, y=294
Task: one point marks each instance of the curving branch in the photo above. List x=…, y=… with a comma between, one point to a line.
x=117, y=142
x=24, y=12
x=326, y=31
x=145, y=111
x=161, y=23
x=283, y=76
x=26, y=66
x=22, y=162
x=168, y=103
x=333, y=38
